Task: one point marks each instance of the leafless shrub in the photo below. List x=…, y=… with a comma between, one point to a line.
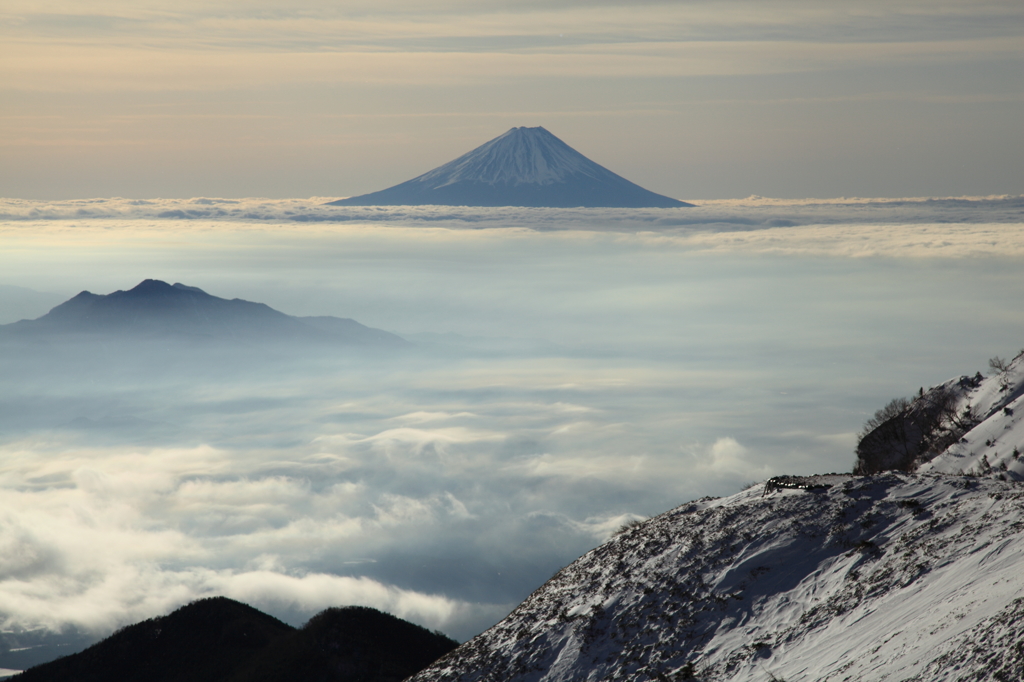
x=630, y=524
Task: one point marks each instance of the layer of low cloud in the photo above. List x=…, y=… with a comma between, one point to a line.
x=131, y=536
x=322, y=502
x=947, y=227
x=574, y=370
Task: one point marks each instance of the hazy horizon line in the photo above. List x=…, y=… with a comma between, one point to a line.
x=753, y=199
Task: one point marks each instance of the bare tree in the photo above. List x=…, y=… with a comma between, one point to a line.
x=904, y=434
x=886, y=441
x=893, y=408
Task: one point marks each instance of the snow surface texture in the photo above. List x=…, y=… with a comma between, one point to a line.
x=523, y=167
x=894, y=577
x=994, y=446
x=891, y=577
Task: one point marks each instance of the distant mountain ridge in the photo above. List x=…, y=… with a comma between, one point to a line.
x=523, y=167
x=155, y=308
x=222, y=640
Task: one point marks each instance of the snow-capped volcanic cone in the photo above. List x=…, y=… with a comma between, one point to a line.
x=523, y=167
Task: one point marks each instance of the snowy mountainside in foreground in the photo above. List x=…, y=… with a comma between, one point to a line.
x=887, y=577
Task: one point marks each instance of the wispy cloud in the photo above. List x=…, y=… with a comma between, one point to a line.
x=226, y=53
x=161, y=99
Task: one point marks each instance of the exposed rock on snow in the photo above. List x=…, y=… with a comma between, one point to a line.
x=820, y=482
x=895, y=577
x=523, y=167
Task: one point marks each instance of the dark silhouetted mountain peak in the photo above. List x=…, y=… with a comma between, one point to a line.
x=222, y=640
x=154, y=308
x=206, y=640
x=185, y=287
x=150, y=287
x=352, y=644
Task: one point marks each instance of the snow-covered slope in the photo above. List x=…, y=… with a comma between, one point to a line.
x=523, y=167
x=995, y=446
x=889, y=577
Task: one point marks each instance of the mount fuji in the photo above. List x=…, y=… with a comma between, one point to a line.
x=523, y=167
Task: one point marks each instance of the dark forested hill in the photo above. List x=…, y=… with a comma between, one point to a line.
x=221, y=640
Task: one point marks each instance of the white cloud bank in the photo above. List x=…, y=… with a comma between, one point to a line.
x=645, y=358
x=846, y=227
x=114, y=537
x=752, y=212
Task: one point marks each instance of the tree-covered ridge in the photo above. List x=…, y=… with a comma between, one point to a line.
x=221, y=640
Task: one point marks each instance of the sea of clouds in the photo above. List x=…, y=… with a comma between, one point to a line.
x=572, y=370
x=750, y=213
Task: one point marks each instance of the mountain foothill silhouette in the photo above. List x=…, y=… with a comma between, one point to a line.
x=221, y=640
x=157, y=309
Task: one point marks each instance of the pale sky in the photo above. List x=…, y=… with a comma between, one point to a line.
x=693, y=99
